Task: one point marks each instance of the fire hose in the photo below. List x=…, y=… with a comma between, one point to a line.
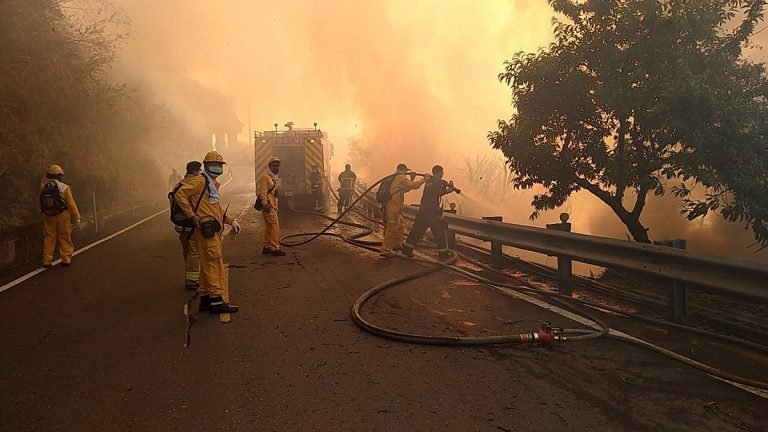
x=546, y=334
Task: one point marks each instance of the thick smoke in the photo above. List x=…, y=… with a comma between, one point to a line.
x=412, y=81
x=390, y=81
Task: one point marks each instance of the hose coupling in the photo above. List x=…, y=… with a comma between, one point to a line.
x=546, y=335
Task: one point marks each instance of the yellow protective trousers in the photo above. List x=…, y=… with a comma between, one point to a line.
x=395, y=230
x=191, y=257
x=271, y=230
x=211, y=264
x=57, y=228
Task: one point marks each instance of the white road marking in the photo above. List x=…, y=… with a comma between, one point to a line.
x=589, y=323
x=34, y=273
x=77, y=252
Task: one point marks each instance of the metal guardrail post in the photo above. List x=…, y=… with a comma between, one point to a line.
x=497, y=256
x=677, y=294
x=449, y=233
x=564, y=263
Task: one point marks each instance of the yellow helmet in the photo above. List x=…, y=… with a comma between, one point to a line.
x=213, y=156
x=273, y=159
x=55, y=169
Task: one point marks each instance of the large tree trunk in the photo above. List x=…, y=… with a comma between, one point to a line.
x=630, y=219
x=632, y=222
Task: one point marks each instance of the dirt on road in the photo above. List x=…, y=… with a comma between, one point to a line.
x=99, y=346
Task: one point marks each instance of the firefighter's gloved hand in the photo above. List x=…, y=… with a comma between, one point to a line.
x=267, y=208
x=236, y=227
x=196, y=219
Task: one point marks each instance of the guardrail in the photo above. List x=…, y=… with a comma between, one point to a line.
x=726, y=275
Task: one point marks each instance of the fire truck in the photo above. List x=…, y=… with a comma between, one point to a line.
x=301, y=151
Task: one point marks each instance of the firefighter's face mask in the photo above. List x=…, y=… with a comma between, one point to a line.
x=214, y=170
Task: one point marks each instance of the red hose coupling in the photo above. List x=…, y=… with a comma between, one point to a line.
x=547, y=335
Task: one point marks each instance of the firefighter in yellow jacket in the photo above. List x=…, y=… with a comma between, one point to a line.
x=186, y=236
x=395, y=230
x=58, y=206
x=266, y=197
x=209, y=220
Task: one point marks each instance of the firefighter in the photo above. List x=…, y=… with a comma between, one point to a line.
x=347, y=180
x=58, y=206
x=186, y=236
x=393, y=237
x=430, y=214
x=209, y=219
x=267, y=196
x=173, y=179
x=316, y=181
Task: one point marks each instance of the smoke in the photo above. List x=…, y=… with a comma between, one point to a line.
x=390, y=81
x=412, y=82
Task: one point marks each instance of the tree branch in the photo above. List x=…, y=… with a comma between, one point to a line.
x=604, y=196
x=642, y=194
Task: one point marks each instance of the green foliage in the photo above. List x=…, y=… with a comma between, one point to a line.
x=635, y=93
x=58, y=104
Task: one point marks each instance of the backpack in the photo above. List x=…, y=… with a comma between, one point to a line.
x=178, y=217
x=258, y=205
x=383, y=194
x=52, y=201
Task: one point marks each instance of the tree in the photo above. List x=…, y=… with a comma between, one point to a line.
x=634, y=94
x=59, y=103
x=480, y=173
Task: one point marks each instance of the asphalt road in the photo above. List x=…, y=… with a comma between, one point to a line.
x=99, y=346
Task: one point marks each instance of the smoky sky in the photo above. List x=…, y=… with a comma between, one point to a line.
x=409, y=81
x=417, y=77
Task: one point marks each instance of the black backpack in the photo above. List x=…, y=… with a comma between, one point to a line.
x=258, y=205
x=52, y=201
x=178, y=217
x=382, y=194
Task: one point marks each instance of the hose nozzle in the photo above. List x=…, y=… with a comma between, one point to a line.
x=455, y=189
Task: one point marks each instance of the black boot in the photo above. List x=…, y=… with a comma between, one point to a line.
x=408, y=251
x=219, y=306
x=266, y=251
x=277, y=253
x=205, y=303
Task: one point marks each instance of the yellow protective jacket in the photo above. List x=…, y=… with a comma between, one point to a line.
x=189, y=193
x=400, y=185
x=265, y=184
x=71, y=206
